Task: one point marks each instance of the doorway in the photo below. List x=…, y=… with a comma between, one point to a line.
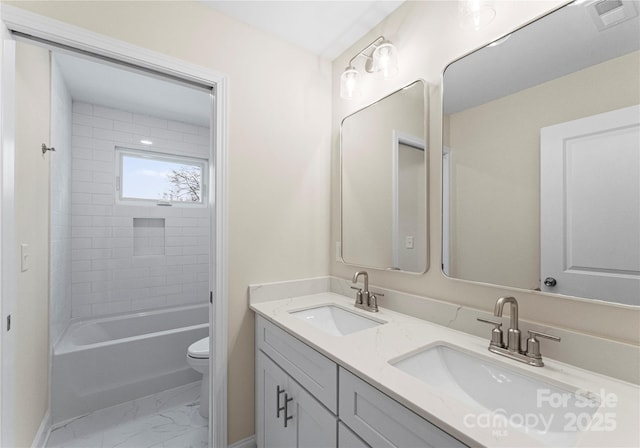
x=24, y=25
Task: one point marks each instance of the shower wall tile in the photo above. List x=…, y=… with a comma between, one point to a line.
x=106, y=276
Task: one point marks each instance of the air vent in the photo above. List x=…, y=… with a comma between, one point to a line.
x=609, y=13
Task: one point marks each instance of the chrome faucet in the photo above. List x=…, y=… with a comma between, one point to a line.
x=365, y=299
x=512, y=349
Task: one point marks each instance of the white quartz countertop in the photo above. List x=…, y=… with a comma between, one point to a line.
x=367, y=353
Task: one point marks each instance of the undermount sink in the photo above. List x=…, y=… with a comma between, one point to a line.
x=336, y=320
x=540, y=408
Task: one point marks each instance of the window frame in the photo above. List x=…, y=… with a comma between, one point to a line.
x=122, y=152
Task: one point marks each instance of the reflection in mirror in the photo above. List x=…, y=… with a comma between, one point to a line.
x=383, y=183
x=542, y=180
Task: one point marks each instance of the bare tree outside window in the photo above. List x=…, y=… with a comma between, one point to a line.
x=184, y=184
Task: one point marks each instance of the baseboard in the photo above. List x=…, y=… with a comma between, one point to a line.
x=40, y=440
x=249, y=442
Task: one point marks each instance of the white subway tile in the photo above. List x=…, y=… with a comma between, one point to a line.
x=80, y=243
x=185, y=128
x=166, y=134
x=110, y=307
x=102, y=243
x=112, y=114
x=146, y=120
x=81, y=198
x=81, y=288
x=123, y=232
x=82, y=108
x=81, y=130
x=80, y=310
x=81, y=154
x=202, y=140
x=81, y=175
x=112, y=136
x=102, y=199
x=93, y=122
x=80, y=220
x=131, y=128
x=81, y=266
x=105, y=156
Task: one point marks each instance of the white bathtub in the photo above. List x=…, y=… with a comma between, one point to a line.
x=106, y=361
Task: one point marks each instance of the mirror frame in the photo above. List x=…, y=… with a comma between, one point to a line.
x=444, y=151
x=425, y=93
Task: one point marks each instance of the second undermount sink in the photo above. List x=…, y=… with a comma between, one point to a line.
x=528, y=403
x=336, y=320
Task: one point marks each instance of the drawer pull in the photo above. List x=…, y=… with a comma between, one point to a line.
x=287, y=417
x=278, y=407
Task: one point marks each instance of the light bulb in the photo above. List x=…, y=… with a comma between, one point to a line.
x=349, y=85
x=475, y=14
x=385, y=60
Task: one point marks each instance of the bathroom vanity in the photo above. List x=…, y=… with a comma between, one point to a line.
x=328, y=374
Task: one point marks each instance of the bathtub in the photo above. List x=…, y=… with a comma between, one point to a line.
x=102, y=362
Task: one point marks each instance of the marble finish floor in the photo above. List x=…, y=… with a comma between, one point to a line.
x=169, y=419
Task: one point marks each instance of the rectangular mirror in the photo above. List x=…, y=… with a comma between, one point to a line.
x=384, y=183
x=541, y=157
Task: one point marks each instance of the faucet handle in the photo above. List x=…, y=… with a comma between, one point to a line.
x=496, y=333
x=533, y=334
x=533, y=345
x=492, y=322
x=356, y=288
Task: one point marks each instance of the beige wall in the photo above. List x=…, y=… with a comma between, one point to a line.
x=31, y=318
x=495, y=230
x=279, y=134
x=428, y=38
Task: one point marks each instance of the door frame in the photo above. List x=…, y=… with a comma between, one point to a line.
x=400, y=138
x=16, y=19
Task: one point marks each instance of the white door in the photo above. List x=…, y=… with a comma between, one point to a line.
x=590, y=207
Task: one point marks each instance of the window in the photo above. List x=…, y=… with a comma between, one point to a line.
x=161, y=178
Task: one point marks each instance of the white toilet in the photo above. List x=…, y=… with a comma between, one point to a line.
x=198, y=359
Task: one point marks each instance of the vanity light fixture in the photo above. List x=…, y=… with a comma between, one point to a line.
x=146, y=142
x=382, y=59
x=475, y=14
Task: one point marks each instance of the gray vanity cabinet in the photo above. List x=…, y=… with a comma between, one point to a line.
x=298, y=385
x=302, y=383
x=289, y=416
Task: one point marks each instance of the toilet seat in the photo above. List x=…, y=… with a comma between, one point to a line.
x=199, y=349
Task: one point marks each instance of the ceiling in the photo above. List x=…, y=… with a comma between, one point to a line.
x=326, y=28
x=120, y=88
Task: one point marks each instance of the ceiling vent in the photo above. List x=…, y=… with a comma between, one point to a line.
x=609, y=13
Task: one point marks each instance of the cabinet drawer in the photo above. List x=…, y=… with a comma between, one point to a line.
x=315, y=372
x=383, y=422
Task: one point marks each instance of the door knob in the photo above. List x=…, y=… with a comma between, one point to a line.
x=550, y=282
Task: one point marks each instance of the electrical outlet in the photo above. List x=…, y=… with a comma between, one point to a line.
x=408, y=242
x=25, y=256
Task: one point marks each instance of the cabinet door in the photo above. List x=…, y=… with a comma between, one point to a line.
x=271, y=383
x=313, y=424
x=308, y=423
x=347, y=439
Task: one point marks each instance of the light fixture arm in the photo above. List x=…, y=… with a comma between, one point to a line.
x=376, y=42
